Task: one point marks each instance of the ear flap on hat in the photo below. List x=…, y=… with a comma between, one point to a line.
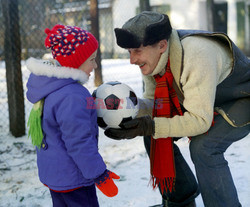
x=158, y=31
x=125, y=39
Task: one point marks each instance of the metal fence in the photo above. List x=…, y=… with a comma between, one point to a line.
x=34, y=17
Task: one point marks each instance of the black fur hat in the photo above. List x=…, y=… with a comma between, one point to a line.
x=146, y=28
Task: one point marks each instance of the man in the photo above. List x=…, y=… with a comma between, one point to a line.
x=200, y=84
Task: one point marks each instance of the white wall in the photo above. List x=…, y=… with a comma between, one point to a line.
x=231, y=21
x=122, y=11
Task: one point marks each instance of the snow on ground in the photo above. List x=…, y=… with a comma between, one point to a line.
x=20, y=185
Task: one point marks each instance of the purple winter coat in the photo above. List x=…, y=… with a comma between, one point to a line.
x=70, y=157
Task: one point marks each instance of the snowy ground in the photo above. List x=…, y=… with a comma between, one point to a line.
x=20, y=186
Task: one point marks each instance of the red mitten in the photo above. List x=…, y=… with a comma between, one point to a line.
x=106, y=184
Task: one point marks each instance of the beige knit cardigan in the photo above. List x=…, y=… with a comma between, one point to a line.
x=206, y=63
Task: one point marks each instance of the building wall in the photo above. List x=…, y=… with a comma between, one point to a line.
x=185, y=14
x=122, y=11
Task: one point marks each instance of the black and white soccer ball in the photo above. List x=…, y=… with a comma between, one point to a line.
x=115, y=103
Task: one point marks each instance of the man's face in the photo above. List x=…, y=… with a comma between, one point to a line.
x=147, y=57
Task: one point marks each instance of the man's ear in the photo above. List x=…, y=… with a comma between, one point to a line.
x=163, y=45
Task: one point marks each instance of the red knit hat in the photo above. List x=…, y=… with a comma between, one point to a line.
x=70, y=46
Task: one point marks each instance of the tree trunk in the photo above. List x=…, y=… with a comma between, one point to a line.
x=210, y=15
x=94, y=17
x=144, y=5
x=12, y=49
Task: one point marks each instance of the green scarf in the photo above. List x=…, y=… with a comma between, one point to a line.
x=35, y=124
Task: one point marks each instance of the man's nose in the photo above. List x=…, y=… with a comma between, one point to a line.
x=132, y=58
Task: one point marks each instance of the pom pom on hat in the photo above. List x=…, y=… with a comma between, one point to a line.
x=70, y=46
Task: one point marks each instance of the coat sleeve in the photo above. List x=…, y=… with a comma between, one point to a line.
x=206, y=63
x=79, y=134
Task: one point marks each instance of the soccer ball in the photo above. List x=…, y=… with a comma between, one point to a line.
x=115, y=103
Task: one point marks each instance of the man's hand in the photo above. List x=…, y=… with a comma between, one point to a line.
x=143, y=126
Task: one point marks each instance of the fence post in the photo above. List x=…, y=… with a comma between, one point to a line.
x=94, y=17
x=210, y=15
x=12, y=54
x=145, y=5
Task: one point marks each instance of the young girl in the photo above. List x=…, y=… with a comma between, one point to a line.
x=62, y=127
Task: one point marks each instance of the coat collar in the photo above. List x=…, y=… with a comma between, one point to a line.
x=176, y=57
x=52, y=68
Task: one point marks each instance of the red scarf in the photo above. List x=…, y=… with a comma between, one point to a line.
x=161, y=152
